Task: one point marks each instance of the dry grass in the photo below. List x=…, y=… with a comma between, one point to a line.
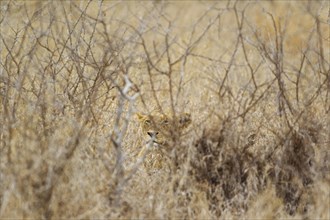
x=255, y=77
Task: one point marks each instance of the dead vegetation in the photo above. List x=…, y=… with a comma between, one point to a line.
x=254, y=76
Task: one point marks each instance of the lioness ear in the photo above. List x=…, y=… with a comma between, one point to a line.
x=140, y=116
x=185, y=120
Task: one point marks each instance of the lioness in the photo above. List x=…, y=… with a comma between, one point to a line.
x=158, y=129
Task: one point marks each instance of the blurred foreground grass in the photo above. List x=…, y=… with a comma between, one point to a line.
x=254, y=75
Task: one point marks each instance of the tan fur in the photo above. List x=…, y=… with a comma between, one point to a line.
x=157, y=130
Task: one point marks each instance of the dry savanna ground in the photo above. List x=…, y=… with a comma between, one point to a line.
x=253, y=75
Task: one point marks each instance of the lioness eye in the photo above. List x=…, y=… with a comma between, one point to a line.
x=165, y=122
x=147, y=122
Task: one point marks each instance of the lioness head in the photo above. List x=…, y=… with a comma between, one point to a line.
x=159, y=127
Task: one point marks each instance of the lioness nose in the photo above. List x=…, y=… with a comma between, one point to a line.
x=152, y=133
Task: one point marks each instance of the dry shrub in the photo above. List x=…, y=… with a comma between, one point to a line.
x=294, y=171
x=254, y=78
x=233, y=175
